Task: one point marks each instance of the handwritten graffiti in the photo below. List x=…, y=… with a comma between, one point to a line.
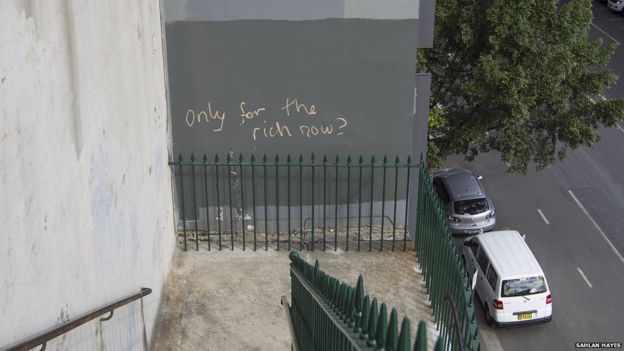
x=294, y=118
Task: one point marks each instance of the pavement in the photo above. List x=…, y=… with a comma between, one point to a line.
x=230, y=300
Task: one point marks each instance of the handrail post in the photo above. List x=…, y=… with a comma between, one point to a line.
x=44, y=337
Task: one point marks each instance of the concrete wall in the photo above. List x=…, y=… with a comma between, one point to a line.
x=294, y=10
x=85, y=189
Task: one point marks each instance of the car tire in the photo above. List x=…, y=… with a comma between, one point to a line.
x=488, y=318
x=481, y=302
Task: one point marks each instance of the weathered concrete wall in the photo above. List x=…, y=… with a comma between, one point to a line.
x=85, y=190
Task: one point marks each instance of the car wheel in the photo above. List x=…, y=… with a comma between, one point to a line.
x=488, y=318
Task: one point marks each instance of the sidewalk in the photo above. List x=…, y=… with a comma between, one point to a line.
x=230, y=300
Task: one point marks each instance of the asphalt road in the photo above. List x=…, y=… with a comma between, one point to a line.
x=573, y=216
x=609, y=26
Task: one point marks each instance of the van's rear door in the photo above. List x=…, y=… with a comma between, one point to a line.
x=525, y=298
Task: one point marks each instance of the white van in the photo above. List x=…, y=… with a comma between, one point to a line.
x=509, y=282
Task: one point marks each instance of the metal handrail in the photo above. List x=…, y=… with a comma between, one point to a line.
x=44, y=337
x=460, y=337
x=291, y=326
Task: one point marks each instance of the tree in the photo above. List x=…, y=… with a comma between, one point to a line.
x=520, y=77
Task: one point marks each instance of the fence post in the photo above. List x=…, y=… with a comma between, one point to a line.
x=312, y=203
x=229, y=170
x=195, y=212
x=253, y=200
x=180, y=160
x=361, y=160
x=288, y=165
x=266, y=210
x=348, y=199
x=219, y=209
x=407, y=192
x=277, y=202
x=396, y=188
x=383, y=200
x=404, y=336
x=300, y=202
x=242, y=187
x=372, y=183
x=205, y=164
x=336, y=207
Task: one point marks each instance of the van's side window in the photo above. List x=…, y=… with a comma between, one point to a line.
x=492, y=277
x=483, y=261
x=474, y=246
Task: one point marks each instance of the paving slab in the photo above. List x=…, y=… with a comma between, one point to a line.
x=230, y=300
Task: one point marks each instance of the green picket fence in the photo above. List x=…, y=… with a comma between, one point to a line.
x=293, y=203
x=327, y=205
x=327, y=314
x=446, y=278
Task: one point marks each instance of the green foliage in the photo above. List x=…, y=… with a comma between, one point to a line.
x=437, y=128
x=516, y=76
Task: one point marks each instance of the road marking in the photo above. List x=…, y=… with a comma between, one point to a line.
x=620, y=127
x=605, y=33
x=603, y=98
x=584, y=277
x=604, y=236
x=592, y=100
x=543, y=217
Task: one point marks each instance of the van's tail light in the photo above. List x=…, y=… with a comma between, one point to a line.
x=498, y=304
x=548, y=299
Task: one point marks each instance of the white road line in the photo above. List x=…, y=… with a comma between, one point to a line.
x=584, y=277
x=604, y=236
x=620, y=127
x=543, y=217
x=603, y=98
x=592, y=100
x=607, y=34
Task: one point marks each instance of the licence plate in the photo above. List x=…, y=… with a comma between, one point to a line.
x=473, y=231
x=525, y=316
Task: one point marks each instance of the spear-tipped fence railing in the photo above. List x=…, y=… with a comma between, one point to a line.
x=293, y=203
x=290, y=197
x=445, y=275
x=327, y=314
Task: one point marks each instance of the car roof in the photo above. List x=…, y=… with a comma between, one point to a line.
x=509, y=254
x=462, y=184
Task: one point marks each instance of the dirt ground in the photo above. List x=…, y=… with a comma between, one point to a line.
x=230, y=300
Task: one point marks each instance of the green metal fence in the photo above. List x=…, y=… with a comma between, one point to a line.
x=445, y=275
x=328, y=314
x=293, y=203
x=327, y=205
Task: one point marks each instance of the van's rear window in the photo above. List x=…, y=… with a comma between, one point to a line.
x=471, y=207
x=523, y=286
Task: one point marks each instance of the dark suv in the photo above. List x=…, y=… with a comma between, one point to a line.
x=467, y=208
